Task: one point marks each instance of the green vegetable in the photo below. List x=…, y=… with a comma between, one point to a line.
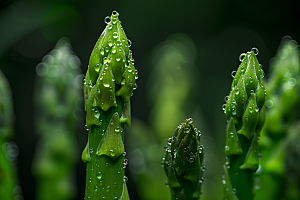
x=183, y=162
x=282, y=106
x=7, y=169
x=58, y=109
x=108, y=86
x=245, y=113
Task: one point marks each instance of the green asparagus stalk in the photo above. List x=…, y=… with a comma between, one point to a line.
x=281, y=111
x=57, y=99
x=108, y=86
x=7, y=172
x=183, y=162
x=245, y=114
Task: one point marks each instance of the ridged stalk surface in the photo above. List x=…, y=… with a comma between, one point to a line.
x=245, y=114
x=108, y=86
x=183, y=162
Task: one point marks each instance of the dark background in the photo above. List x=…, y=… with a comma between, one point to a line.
x=221, y=31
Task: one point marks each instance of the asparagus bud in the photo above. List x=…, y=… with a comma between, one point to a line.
x=279, y=135
x=108, y=86
x=183, y=162
x=57, y=102
x=245, y=113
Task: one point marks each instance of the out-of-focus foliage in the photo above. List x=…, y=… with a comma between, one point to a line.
x=6, y=110
x=172, y=78
x=277, y=175
x=169, y=88
x=8, y=151
x=58, y=100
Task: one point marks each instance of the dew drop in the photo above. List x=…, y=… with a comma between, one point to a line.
x=107, y=19
x=115, y=13
x=233, y=73
x=97, y=67
x=110, y=43
x=223, y=107
x=102, y=51
x=115, y=35
x=106, y=84
x=112, y=153
x=242, y=56
x=255, y=50
x=226, y=98
x=129, y=43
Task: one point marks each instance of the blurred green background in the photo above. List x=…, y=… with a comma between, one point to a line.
x=218, y=32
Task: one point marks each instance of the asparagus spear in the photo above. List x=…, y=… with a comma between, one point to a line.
x=108, y=86
x=7, y=172
x=281, y=110
x=245, y=113
x=183, y=162
x=57, y=102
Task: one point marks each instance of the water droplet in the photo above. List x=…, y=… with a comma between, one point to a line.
x=135, y=87
x=97, y=67
x=184, y=149
x=106, y=19
x=226, y=148
x=125, y=161
x=255, y=50
x=292, y=81
x=110, y=43
x=234, y=190
x=102, y=51
x=203, y=168
x=242, y=56
x=115, y=13
x=233, y=73
x=86, y=128
x=112, y=153
x=96, y=189
x=117, y=129
x=191, y=154
x=223, y=107
x=166, y=183
x=106, y=84
x=115, y=35
x=226, y=98
x=125, y=178
x=129, y=43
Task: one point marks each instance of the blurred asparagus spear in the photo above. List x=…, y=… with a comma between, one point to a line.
x=281, y=110
x=108, y=86
x=7, y=171
x=57, y=112
x=183, y=162
x=245, y=113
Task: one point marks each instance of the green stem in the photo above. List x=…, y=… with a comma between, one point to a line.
x=105, y=177
x=241, y=179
